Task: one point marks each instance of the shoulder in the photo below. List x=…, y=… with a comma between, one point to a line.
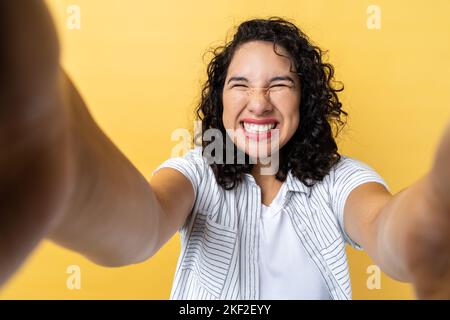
x=349, y=170
x=345, y=170
x=194, y=166
x=347, y=162
x=192, y=161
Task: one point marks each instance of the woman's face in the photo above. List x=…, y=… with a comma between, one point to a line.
x=261, y=99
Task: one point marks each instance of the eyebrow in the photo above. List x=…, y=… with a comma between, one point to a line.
x=278, y=78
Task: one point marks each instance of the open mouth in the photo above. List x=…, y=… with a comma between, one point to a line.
x=258, y=131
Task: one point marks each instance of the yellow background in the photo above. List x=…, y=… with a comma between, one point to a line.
x=139, y=65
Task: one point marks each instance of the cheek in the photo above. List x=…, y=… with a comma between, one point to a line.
x=233, y=101
x=229, y=117
x=292, y=121
x=291, y=114
x=226, y=118
x=294, y=111
x=295, y=121
x=231, y=108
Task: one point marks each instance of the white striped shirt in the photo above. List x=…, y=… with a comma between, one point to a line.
x=220, y=237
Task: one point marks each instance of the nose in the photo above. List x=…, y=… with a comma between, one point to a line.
x=259, y=101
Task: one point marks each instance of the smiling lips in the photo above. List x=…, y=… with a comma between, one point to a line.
x=258, y=129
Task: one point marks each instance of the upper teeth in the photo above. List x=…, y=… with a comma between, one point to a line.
x=258, y=127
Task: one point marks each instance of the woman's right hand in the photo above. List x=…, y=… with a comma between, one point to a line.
x=35, y=166
x=61, y=177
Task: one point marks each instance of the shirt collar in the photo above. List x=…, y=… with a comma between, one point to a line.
x=292, y=183
x=295, y=184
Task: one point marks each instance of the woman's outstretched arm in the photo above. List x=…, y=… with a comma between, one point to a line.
x=61, y=176
x=408, y=234
x=34, y=153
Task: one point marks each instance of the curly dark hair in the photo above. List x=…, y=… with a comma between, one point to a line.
x=312, y=151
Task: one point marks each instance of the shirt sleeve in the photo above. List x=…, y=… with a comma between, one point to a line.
x=191, y=165
x=348, y=174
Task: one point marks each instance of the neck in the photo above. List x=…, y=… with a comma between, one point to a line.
x=267, y=167
x=261, y=177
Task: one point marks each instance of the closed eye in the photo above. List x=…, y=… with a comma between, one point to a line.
x=277, y=85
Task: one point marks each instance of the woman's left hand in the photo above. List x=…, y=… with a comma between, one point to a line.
x=428, y=251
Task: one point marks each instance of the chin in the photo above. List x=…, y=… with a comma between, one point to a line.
x=259, y=151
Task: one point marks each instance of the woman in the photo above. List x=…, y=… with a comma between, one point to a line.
x=267, y=219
